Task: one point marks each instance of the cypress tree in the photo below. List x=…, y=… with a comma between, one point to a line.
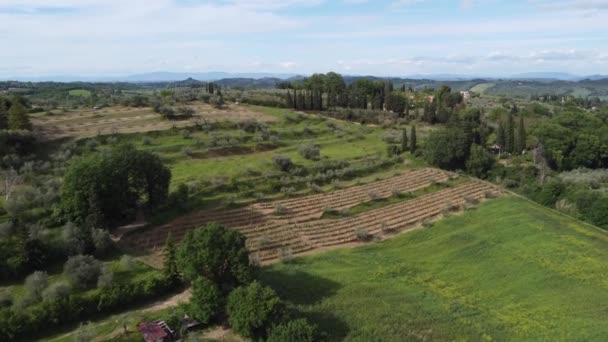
x=520, y=144
x=288, y=100
x=500, y=135
x=413, y=139
x=3, y=111
x=510, y=134
x=170, y=269
x=404, y=140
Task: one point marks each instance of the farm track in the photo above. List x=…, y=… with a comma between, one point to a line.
x=298, y=227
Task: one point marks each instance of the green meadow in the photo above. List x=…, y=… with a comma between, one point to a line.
x=508, y=270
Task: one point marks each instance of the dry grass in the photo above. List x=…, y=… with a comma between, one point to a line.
x=86, y=123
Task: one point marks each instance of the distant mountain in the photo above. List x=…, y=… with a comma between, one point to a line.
x=595, y=77
x=545, y=76
x=204, y=76
x=441, y=77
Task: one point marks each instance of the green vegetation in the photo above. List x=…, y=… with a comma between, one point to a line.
x=509, y=270
x=80, y=92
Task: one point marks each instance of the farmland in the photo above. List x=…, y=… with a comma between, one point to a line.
x=86, y=123
x=292, y=226
x=481, y=275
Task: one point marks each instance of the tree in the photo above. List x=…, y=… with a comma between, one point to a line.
x=35, y=284
x=413, y=145
x=206, y=300
x=500, y=135
x=480, y=162
x=216, y=253
x=283, y=163
x=298, y=330
x=396, y=103
x=104, y=189
x=18, y=118
x=252, y=310
x=4, y=106
x=82, y=271
x=520, y=142
x=510, y=134
x=447, y=148
x=10, y=180
x=404, y=140
x=170, y=269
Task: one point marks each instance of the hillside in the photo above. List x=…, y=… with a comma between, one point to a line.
x=508, y=270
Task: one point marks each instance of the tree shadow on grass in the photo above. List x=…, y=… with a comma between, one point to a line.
x=299, y=288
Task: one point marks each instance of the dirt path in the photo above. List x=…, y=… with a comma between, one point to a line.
x=182, y=297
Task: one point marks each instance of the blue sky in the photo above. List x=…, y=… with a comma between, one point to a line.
x=381, y=37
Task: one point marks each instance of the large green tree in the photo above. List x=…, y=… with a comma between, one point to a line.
x=254, y=309
x=105, y=189
x=447, y=148
x=216, y=253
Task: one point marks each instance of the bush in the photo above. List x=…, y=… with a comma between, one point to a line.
x=57, y=291
x=283, y=163
x=82, y=271
x=252, y=310
x=35, y=284
x=75, y=239
x=6, y=299
x=126, y=263
x=206, y=300
x=101, y=241
x=309, y=151
x=298, y=330
x=106, y=278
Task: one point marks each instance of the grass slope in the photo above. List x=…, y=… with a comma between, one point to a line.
x=508, y=270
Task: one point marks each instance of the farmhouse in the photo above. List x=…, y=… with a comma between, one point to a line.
x=156, y=331
x=466, y=95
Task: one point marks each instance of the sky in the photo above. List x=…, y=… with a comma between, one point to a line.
x=355, y=37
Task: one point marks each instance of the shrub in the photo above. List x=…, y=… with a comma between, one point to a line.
x=187, y=151
x=283, y=163
x=6, y=299
x=392, y=150
x=309, y=151
x=106, y=278
x=126, y=263
x=82, y=270
x=56, y=291
x=253, y=309
x=75, y=239
x=362, y=234
x=101, y=241
x=206, y=300
x=298, y=330
x=146, y=141
x=186, y=134
x=35, y=284
x=85, y=333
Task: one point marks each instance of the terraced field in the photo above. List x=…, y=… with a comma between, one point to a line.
x=292, y=226
x=92, y=122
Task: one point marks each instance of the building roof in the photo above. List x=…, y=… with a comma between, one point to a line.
x=152, y=331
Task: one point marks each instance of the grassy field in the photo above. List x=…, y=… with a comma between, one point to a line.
x=509, y=270
x=80, y=92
